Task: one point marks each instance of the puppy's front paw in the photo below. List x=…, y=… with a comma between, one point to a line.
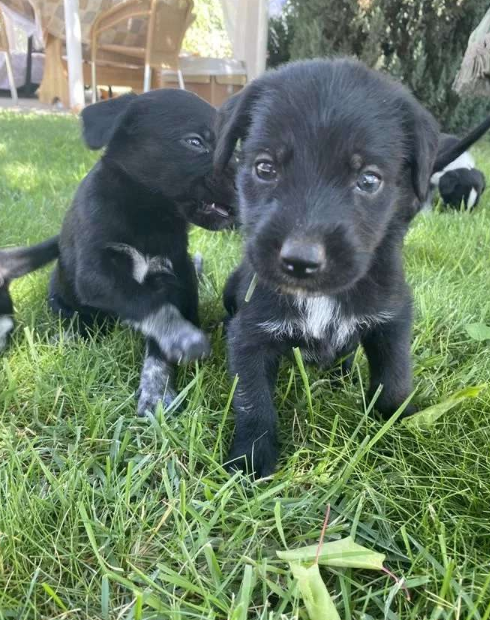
x=386, y=411
x=408, y=411
x=339, y=373
x=187, y=345
x=256, y=457
x=149, y=399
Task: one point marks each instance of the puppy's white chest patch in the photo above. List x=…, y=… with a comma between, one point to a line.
x=315, y=315
x=318, y=316
x=6, y=326
x=144, y=265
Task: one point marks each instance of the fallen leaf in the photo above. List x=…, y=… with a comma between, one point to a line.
x=343, y=553
x=478, y=331
x=317, y=600
x=427, y=417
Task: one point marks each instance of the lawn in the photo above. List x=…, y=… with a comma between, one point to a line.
x=104, y=515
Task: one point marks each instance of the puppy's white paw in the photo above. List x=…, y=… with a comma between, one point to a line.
x=178, y=339
x=186, y=345
x=148, y=400
x=68, y=334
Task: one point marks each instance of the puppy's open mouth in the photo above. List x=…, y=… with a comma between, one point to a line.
x=214, y=208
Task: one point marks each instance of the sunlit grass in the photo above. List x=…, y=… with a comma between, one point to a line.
x=104, y=515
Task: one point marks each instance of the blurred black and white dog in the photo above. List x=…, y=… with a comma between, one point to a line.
x=14, y=263
x=459, y=182
x=335, y=161
x=123, y=244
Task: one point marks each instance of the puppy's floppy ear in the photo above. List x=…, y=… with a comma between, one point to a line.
x=99, y=120
x=232, y=123
x=424, y=138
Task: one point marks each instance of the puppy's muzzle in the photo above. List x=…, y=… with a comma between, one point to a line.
x=301, y=258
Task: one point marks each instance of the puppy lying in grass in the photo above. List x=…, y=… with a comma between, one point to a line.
x=335, y=160
x=14, y=263
x=123, y=244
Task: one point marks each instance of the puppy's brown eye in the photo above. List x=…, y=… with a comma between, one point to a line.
x=369, y=182
x=265, y=170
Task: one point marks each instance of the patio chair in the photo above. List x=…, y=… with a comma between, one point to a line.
x=5, y=48
x=167, y=22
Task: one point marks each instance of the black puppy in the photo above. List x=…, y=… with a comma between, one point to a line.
x=14, y=263
x=462, y=186
x=335, y=161
x=452, y=148
x=123, y=245
x=459, y=181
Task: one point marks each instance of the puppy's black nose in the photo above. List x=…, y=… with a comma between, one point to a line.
x=302, y=259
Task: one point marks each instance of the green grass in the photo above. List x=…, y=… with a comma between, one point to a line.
x=106, y=516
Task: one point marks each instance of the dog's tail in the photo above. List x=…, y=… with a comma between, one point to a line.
x=455, y=150
x=16, y=262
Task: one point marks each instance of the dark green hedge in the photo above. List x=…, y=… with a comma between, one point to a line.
x=420, y=42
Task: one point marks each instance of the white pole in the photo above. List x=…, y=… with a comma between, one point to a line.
x=74, y=53
x=250, y=35
x=10, y=74
x=262, y=35
x=147, y=79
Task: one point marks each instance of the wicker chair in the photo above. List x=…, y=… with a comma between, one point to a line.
x=5, y=48
x=167, y=20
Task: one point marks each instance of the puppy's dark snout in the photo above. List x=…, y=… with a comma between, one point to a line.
x=302, y=258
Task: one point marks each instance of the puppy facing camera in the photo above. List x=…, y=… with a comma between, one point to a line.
x=335, y=161
x=123, y=244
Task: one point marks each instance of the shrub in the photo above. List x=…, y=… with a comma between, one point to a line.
x=420, y=42
x=281, y=33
